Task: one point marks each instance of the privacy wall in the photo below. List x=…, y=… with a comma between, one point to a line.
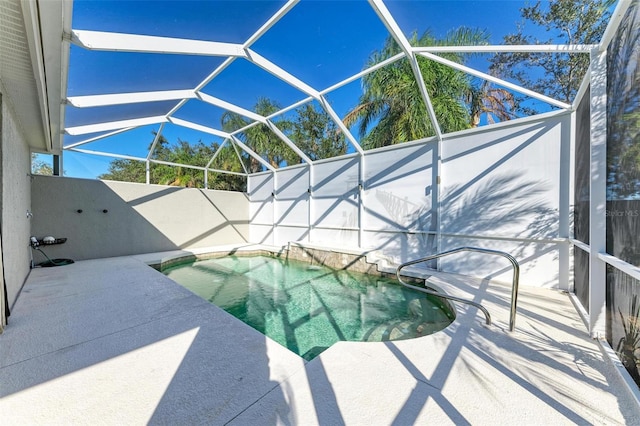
x=502, y=188
x=103, y=219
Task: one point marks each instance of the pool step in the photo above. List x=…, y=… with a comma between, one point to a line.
x=401, y=330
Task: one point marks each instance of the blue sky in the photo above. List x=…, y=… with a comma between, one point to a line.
x=320, y=42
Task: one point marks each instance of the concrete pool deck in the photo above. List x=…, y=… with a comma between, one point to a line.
x=113, y=341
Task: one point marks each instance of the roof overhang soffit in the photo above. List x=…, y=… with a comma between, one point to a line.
x=49, y=57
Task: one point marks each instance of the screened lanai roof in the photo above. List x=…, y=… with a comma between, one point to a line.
x=135, y=73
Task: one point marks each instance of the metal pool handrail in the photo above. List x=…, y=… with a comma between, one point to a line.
x=514, y=287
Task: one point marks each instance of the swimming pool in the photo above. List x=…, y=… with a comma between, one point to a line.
x=307, y=308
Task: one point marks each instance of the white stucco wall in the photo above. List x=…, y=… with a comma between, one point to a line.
x=16, y=200
x=139, y=218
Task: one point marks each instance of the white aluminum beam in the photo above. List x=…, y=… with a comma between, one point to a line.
x=150, y=152
x=325, y=104
x=113, y=125
x=235, y=148
x=327, y=90
x=107, y=154
x=215, y=73
x=155, y=141
x=496, y=80
x=227, y=172
x=290, y=107
x=516, y=48
x=275, y=70
x=215, y=154
x=177, y=107
x=129, y=98
x=614, y=23
x=393, y=27
x=208, y=166
x=271, y=22
x=188, y=166
x=106, y=135
x=199, y=127
x=586, y=81
x=119, y=42
x=248, y=126
x=288, y=142
x=229, y=106
x=170, y=163
x=629, y=269
x=363, y=73
x=167, y=163
x=252, y=153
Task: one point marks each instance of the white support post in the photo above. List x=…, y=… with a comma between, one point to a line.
x=310, y=205
x=274, y=206
x=567, y=135
x=152, y=148
x=361, y=206
x=598, y=188
x=436, y=191
x=572, y=207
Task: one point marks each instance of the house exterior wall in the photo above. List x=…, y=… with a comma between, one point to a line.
x=16, y=200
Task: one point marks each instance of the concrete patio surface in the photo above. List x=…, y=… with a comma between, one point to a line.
x=113, y=341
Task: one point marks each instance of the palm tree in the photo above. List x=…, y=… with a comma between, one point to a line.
x=391, y=109
x=260, y=138
x=185, y=153
x=496, y=103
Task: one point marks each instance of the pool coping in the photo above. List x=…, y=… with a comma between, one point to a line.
x=380, y=264
x=377, y=263
x=373, y=260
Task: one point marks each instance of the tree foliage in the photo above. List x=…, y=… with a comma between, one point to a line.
x=182, y=152
x=391, y=109
x=311, y=129
x=565, y=21
x=260, y=138
x=495, y=103
x=316, y=134
x=39, y=166
x=623, y=109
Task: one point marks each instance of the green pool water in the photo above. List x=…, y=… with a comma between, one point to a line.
x=307, y=308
